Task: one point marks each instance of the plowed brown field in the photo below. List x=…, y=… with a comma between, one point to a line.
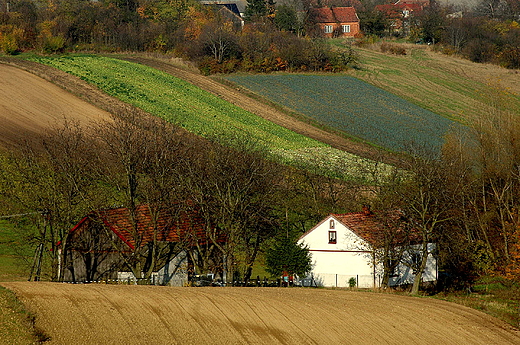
x=29, y=104
x=121, y=314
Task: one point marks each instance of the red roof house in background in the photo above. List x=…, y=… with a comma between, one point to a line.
x=336, y=21
x=400, y=12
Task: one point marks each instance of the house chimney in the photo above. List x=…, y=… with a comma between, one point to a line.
x=366, y=210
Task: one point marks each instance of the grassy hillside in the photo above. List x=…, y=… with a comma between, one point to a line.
x=453, y=88
x=15, y=253
x=203, y=113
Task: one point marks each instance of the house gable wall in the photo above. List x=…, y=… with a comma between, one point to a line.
x=335, y=18
x=334, y=264
x=329, y=268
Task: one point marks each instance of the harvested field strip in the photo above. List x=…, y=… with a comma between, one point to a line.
x=120, y=314
x=31, y=104
x=352, y=106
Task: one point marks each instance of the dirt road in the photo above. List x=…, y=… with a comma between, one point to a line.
x=120, y=314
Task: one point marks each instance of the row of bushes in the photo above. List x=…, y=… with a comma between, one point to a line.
x=283, y=52
x=199, y=33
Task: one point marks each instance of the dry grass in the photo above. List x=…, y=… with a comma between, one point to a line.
x=449, y=86
x=17, y=324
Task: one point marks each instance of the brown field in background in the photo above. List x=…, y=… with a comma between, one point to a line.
x=122, y=314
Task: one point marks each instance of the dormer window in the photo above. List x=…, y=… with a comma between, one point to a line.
x=331, y=224
x=332, y=237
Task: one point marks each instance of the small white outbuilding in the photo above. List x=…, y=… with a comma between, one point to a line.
x=345, y=246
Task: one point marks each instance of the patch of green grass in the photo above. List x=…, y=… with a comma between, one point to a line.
x=494, y=296
x=15, y=253
x=16, y=324
x=333, y=163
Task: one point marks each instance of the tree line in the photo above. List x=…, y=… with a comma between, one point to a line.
x=486, y=33
x=275, y=37
x=136, y=160
x=464, y=199
x=210, y=36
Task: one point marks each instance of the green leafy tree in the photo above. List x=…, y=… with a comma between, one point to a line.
x=288, y=256
x=286, y=19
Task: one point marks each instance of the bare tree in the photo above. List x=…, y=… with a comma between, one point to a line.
x=142, y=156
x=236, y=191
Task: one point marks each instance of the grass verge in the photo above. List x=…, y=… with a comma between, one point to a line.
x=16, y=323
x=494, y=296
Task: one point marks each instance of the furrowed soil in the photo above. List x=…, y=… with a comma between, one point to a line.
x=30, y=105
x=123, y=314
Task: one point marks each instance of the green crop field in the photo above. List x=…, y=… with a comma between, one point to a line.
x=201, y=112
x=176, y=100
x=352, y=106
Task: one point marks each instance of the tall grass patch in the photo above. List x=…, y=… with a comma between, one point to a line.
x=15, y=253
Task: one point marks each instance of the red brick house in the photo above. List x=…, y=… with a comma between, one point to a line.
x=100, y=245
x=399, y=13
x=336, y=21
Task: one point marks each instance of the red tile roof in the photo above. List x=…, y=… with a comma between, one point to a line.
x=372, y=226
x=183, y=226
x=335, y=15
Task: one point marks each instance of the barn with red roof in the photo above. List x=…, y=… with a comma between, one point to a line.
x=99, y=245
x=345, y=246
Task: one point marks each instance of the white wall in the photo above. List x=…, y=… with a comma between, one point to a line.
x=335, y=263
x=174, y=273
x=405, y=271
x=351, y=256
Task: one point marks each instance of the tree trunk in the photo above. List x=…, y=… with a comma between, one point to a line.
x=418, y=276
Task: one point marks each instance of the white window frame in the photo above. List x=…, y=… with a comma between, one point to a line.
x=345, y=28
x=328, y=29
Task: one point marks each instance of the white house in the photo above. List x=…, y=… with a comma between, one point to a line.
x=343, y=247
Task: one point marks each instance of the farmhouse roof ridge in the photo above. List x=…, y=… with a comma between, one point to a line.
x=335, y=15
x=171, y=225
x=372, y=225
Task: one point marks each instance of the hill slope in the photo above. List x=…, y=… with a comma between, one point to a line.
x=30, y=104
x=120, y=314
